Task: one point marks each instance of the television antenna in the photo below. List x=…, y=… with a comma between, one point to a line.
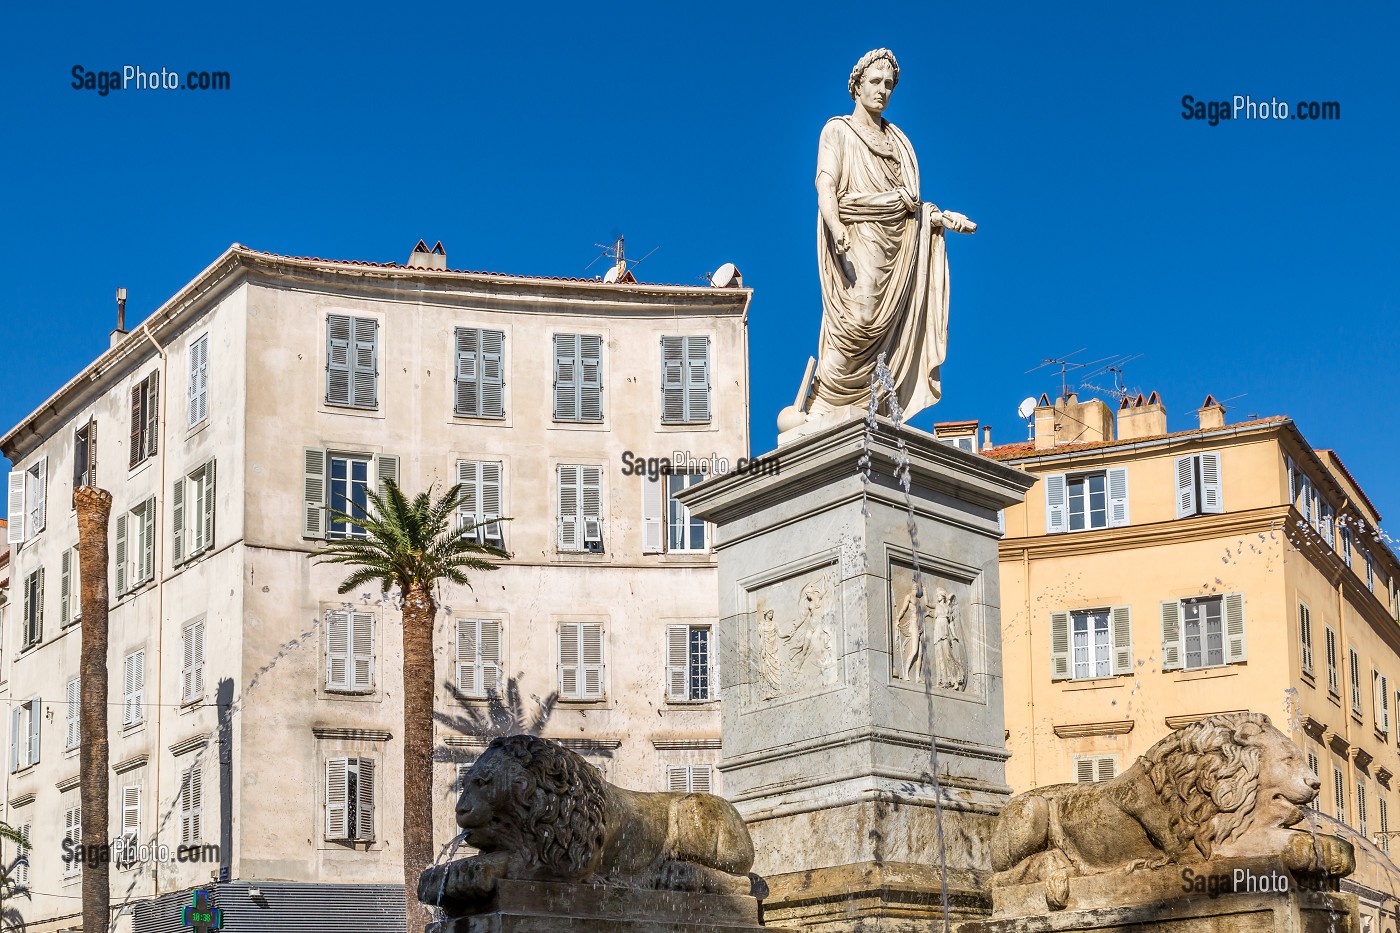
x=1113, y=367
x=620, y=268
x=1067, y=366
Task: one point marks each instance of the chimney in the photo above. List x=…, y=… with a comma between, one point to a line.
x=424, y=258
x=1211, y=414
x=1142, y=418
x=118, y=335
x=987, y=437
x=1046, y=416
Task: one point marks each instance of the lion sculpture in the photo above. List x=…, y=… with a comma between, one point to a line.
x=1227, y=786
x=536, y=811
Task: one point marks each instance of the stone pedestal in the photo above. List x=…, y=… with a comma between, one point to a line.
x=551, y=907
x=835, y=677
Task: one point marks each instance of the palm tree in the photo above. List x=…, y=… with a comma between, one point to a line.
x=412, y=546
x=94, y=506
x=10, y=917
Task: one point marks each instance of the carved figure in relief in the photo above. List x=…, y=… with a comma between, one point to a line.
x=770, y=671
x=949, y=654
x=809, y=642
x=909, y=637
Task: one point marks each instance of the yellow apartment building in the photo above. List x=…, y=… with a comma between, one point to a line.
x=1152, y=578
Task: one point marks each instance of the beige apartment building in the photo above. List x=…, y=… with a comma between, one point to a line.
x=255, y=709
x=1155, y=577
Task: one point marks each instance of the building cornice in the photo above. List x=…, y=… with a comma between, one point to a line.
x=682, y=744
x=1186, y=719
x=68, y=783
x=131, y=764
x=1176, y=531
x=190, y=744
x=351, y=735
x=23, y=800
x=1086, y=729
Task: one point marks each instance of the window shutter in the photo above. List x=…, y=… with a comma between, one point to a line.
x=653, y=515
x=313, y=522
x=489, y=645
x=697, y=379
x=469, y=503
x=493, y=396
x=1121, y=619
x=91, y=477
x=388, y=471
x=1212, y=486
x=1185, y=487
x=700, y=779
x=1171, y=635
x=362, y=650
x=1305, y=648
x=152, y=413
x=1355, y=673
x=1117, y=497
x=177, y=523
x=468, y=668
x=590, y=377
x=75, y=700
x=39, y=609
x=590, y=483
x=1056, y=511
x=1059, y=646
x=364, y=801
x=207, y=508
x=191, y=805
x=15, y=533
x=678, y=779
x=1292, y=480
x=133, y=682
x=65, y=587
x=337, y=790
x=148, y=540
x=468, y=399
x=337, y=359
x=119, y=553
x=591, y=645
x=203, y=397
x=197, y=382
x=1234, y=628
x=197, y=631
x=569, y=539
x=1084, y=770
x=187, y=670
x=1105, y=768
x=1307, y=499
x=131, y=811
x=673, y=380
x=14, y=739
x=365, y=381
x=566, y=383
x=1329, y=518
x=569, y=660
x=138, y=425
x=677, y=662
x=1380, y=692
x=36, y=720
x=491, y=501
x=337, y=649
x=1332, y=684
x=38, y=507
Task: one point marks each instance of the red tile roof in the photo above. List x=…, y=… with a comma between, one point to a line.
x=1025, y=449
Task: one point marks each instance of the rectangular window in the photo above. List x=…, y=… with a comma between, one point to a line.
x=1380, y=699
x=1361, y=809
x=192, y=513
x=481, y=501
x=145, y=422
x=1305, y=643
x=1312, y=766
x=349, y=651
x=1088, y=501
x=72, y=832
x=134, y=688
x=25, y=720
x=1370, y=570
x=667, y=525
x=1333, y=678
x=191, y=804
x=581, y=660
x=580, y=508
x=135, y=546
x=192, y=672
x=1355, y=671
x=352, y=361
x=339, y=481
x=70, y=598
x=1203, y=633
x=1091, y=768
x=74, y=696
x=130, y=824
x=1083, y=501
x=478, y=652
x=85, y=455
x=34, y=608
x=1198, y=486
x=688, y=669
x=578, y=377
x=197, y=404
x=349, y=483
x=480, y=388
x=690, y=779
x=685, y=380
x=350, y=799
x=1090, y=644
x=1339, y=795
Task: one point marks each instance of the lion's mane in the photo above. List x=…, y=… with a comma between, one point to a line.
x=560, y=806
x=1207, y=777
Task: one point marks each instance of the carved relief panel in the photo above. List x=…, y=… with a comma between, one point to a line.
x=934, y=636
x=795, y=645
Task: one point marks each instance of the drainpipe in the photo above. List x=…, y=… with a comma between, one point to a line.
x=1342, y=637
x=163, y=446
x=1030, y=655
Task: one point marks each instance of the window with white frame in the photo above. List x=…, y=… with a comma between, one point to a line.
x=85, y=454
x=689, y=673
x=70, y=592
x=28, y=501
x=1339, y=794
x=34, y=608
x=192, y=670
x=134, y=688
x=1203, y=632
x=1333, y=677
x=145, y=419
x=130, y=834
x=1091, y=768
x=1305, y=641
x=690, y=779
x=685, y=380
x=135, y=546
x=349, y=651
x=1198, y=485
x=578, y=377
x=1354, y=669
x=72, y=731
x=352, y=361
x=478, y=657
x=480, y=382
x=1380, y=700
x=1085, y=501
x=1090, y=643
x=197, y=394
x=192, y=513
x=581, y=660
x=580, y=508
x=339, y=481
x=72, y=832
x=25, y=720
x=191, y=804
x=350, y=799
x=481, y=501
x=667, y=525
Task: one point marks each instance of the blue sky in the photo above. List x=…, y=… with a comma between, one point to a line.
x=1251, y=259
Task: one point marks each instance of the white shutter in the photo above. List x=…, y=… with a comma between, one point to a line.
x=36, y=720
x=697, y=379
x=177, y=523
x=364, y=800
x=673, y=380
x=148, y=540
x=192, y=674
x=1106, y=768
x=65, y=587
x=313, y=522
x=75, y=702
x=566, y=383
x=1171, y=635
x=38, y=496
x=489, y=648
x=468, y=668
x=337, y=649
x=491, y=501
x=1212, y=486
x=191, y=805
x=677, y=662
x=1185, y=487
x=14, y=739
x=387, y=469
x=1121, y=622
x=1056, y=504
x=468, y=381
x=15, y=533
x=1234, y=628
x=653, y=515
x=1380, y=695
x=362, y=651
x=364, y=361
x=205, y=509
x=119, y=554
x=1331, y=646
x=469, y=501
x=590, y=377
x=591, y=659
x=1305, y=647
x=1117, y=497
x=1060, y=667
x=131, y=812
x=701, y=779
x=570, y=529
x=591, y=500
x=197, y=403
x=569, y=680
x=337, y=803
x=678, y=779
x=1306, y=495
x=134, y=683
x=1084, y=770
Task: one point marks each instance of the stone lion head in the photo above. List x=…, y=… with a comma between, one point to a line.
x=1226, y=774
x=536, y=800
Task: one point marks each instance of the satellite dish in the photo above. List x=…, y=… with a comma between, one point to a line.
x=1026, y=408
x=727, y=276
x=615, y=273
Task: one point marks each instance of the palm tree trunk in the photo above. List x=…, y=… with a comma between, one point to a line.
x=419, y=613
x=94, y=506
